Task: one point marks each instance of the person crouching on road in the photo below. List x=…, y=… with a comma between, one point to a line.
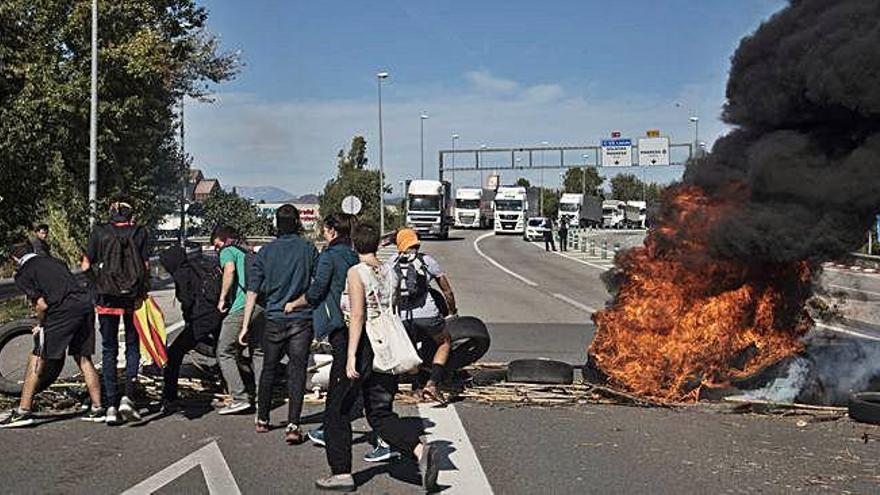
x=200, y=316
x=419, y=310
x=230, y=354
x=66, y=322
x=368, y=291
x=282, y=271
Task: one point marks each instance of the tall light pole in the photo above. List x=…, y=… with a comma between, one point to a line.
x=541, y=197
x=422, y=118
x=379, y=78
x=454, y=139
x=185, y=175
x=696, y=121
x=584, y=175
x=93, y=121
x=482, y=147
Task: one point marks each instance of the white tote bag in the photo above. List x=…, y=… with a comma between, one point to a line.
x=393, y=351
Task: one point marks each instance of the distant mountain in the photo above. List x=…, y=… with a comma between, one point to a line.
x=269, y=194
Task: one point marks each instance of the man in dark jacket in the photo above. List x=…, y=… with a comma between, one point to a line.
x=200, y=315
x=40, y=241
x=66, y=323
x=283, y=271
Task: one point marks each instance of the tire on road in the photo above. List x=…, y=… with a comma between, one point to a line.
x=8, y=332
x=542, y=371
x=864, y=407
x=470, y=341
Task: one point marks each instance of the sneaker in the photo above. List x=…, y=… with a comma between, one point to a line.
x=111, y=418
x=293, y=435
x=17, y=418
x=381, y=452
x=261, y=426
x=95, y=415
x=128, y=411
x=429, y=467
x=235, y=407
x=336, y=483
x=317, y=437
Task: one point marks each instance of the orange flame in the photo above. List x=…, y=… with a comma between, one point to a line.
x=683, y=319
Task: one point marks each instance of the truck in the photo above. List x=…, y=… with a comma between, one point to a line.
x=429, y=207
x=512, y=208
x=580, y=210
x=635, y=213
x=473, y=208
x=613, y=213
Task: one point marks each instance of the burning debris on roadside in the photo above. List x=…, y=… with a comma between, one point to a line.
x=717, y=294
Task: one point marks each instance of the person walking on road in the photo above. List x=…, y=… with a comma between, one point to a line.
x=548, y=235
x=201, y=318
x=369, y=290
x=117, y=257
x=40, y=241
x=283, y=271
x=230, y=354
x=563, y=234
x=66, y=322
x=420, y=309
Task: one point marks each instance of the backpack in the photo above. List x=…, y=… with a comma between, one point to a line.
x=413, y=281
x=121, y=271
x=210, y=279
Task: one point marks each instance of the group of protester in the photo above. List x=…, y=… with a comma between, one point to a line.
x=549, y=242
x=251, y=310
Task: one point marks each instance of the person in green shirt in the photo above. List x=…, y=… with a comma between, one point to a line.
x=231, y=356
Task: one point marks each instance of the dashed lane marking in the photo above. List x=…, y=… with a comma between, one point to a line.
x=566, y=299
x=468, y=475
x=499, y=265
x=847, y=331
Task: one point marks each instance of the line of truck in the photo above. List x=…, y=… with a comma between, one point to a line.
x=432, y=211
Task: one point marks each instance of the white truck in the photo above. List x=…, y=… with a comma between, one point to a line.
x=579, y=210
x=613, y=213
x=429, y=207
x=635, y=213
x=473, y=208
x=511, y=206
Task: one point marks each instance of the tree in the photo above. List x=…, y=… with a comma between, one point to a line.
x=523, y=182
x=551, y=203
x=151, y=54
x=228, y=208
x=353, y=179
x=573, y=181
x=628, y=187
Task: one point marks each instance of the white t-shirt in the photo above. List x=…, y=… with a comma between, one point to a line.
x=429, y=309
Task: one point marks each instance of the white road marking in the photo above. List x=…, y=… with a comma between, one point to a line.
x=468, y=476
x=585, y=262
x=583, y=307
x=847, y=331
x=871, y=275
x=499, y=265
x=853, y=289
x=218, y=477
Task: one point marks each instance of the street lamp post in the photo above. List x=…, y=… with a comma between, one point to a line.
x=482, y=147
x=696, y=121
x=584, y=175
x=379, y=78
x=541, y=197
x=454, y=139
x=422, y=118
x=93, y=121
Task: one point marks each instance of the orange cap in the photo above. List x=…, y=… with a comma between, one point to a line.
x=406, y=238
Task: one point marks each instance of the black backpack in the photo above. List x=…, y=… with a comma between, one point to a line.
x=413, y=281
x=210, y=279
x=121, y=271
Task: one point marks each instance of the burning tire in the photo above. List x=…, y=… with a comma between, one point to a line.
x=543, y=371
x=864, y=407
x=470, y=341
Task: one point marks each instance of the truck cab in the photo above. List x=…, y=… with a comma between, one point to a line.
x=468, y=208
x=612, y=213
x=429, y=207
x=579, y=210
x=635, y=213
x=511, y=204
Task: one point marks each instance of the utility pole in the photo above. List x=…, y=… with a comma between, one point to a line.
x=93, y=122
x=185, y=167
x=422, y=118
x=454, y=139
x=379, y=77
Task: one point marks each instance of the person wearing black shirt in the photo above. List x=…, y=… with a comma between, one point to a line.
x=111, y=308
x=40, y=241
x=66, y=322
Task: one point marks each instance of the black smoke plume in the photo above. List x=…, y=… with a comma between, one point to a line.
x=804, y=99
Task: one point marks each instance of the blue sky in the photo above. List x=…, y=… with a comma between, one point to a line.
x=501, y=73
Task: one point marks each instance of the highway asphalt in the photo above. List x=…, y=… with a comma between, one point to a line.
x=536, y=304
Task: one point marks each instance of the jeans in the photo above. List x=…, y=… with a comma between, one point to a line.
x=377, y=389
x=233, y=361
x=183, y=343
x=109, y=325
x=293, y=338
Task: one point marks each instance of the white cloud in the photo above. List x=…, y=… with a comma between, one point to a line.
x=245, y=140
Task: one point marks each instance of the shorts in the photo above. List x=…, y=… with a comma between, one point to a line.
x=72, y=329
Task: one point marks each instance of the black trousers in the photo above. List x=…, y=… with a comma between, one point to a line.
x=563, y=240
x=549, y=243
x=292, y=338
x=378, y=390
x=184, y=343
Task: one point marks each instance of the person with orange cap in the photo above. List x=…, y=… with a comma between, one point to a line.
x=422, y=307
